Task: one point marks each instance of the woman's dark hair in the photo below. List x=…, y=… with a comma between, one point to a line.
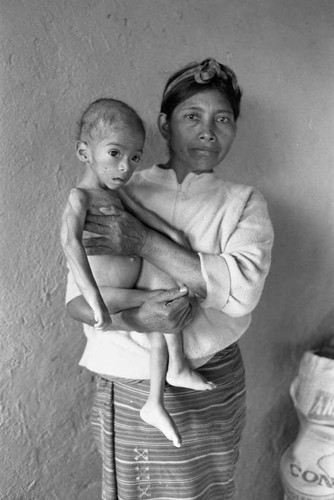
x=188, y=81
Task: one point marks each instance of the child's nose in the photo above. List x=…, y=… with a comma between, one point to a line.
x=124, y=165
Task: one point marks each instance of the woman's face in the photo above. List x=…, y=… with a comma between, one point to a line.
x=200, y=132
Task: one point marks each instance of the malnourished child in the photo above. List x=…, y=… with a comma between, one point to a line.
x=110, y=145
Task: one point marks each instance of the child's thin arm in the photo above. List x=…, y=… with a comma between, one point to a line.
x=116, y=299
x=168, y=312
x=152, y=220
x=71, y=234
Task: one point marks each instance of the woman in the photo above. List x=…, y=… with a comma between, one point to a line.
x=224, y=267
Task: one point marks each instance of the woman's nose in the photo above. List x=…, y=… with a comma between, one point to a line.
x=207, y=134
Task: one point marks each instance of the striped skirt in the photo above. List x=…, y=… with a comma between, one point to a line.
x=140, y=463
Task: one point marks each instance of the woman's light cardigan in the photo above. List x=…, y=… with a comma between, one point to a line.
x=229, y=227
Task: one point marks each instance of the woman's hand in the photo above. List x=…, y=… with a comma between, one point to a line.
x=122, y=233
x=169, y=312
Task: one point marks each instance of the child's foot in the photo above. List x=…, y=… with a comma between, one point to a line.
x=156, y=415
x=190, y=379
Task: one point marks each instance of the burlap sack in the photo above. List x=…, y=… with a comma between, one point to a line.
x=307, y=466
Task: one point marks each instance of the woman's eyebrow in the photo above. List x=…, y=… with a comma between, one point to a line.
x=193, y=106
x=226, y=111
x=199, y=108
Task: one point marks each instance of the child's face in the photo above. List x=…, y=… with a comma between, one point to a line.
x=114, y=155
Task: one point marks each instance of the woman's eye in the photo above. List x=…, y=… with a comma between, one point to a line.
x=114, y=153
x=192, y=116
x=224, y=119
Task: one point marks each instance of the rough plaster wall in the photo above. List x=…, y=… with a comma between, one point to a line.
x=56, y=56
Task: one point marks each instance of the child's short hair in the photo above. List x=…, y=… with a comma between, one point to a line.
x=107, y=112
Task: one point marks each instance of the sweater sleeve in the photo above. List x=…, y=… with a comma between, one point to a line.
x=236, y=277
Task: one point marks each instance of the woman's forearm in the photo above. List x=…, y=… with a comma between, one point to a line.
x=182, y=264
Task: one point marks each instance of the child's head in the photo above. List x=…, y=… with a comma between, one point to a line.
x=199, y=77
x=105, y=113
x=110, y=142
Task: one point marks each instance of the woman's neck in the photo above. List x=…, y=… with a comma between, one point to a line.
x=180, y=170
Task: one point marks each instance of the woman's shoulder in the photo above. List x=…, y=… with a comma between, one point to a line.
x=238, y=190
x=241, y=198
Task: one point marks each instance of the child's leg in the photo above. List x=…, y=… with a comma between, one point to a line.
x=179, y=373
x=154, y=412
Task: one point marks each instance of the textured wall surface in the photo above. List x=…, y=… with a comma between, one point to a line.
x=56, y=57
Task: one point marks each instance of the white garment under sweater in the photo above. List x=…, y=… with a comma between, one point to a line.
x=229, y=226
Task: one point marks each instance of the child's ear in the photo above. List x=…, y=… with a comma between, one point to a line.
x=163, y=125
x=81, y=149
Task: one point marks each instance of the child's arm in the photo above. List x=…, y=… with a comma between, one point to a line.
x=116, y=299
x=152, y=220
x=120, y=299
x=167, y=312
x=73, y=221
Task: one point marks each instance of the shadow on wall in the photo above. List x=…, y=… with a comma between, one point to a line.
x=292, y=316
x=323, y=333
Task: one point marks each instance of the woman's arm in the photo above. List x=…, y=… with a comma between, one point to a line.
x=231, y=282
x=245, y=258
x=152, y=220
x=126, y=235
x=180, y=263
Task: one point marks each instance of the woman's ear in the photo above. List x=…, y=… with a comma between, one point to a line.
x=163, y=125
x=81, y=149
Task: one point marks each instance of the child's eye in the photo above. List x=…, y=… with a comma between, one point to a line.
x=136, y=158
x=114, y=153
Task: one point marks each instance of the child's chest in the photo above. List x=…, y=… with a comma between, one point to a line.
x=98, y=198
x=110, y=270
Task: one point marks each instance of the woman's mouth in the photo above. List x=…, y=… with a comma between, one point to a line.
x=204, y=151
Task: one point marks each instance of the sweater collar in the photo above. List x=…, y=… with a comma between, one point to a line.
x=167, y=176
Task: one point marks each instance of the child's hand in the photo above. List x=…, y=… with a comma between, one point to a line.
x=103, y=320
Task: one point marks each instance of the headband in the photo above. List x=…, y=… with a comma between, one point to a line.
x=203, y=73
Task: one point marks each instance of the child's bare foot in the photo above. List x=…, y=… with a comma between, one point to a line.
x=154, y=414
x=190, y=379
